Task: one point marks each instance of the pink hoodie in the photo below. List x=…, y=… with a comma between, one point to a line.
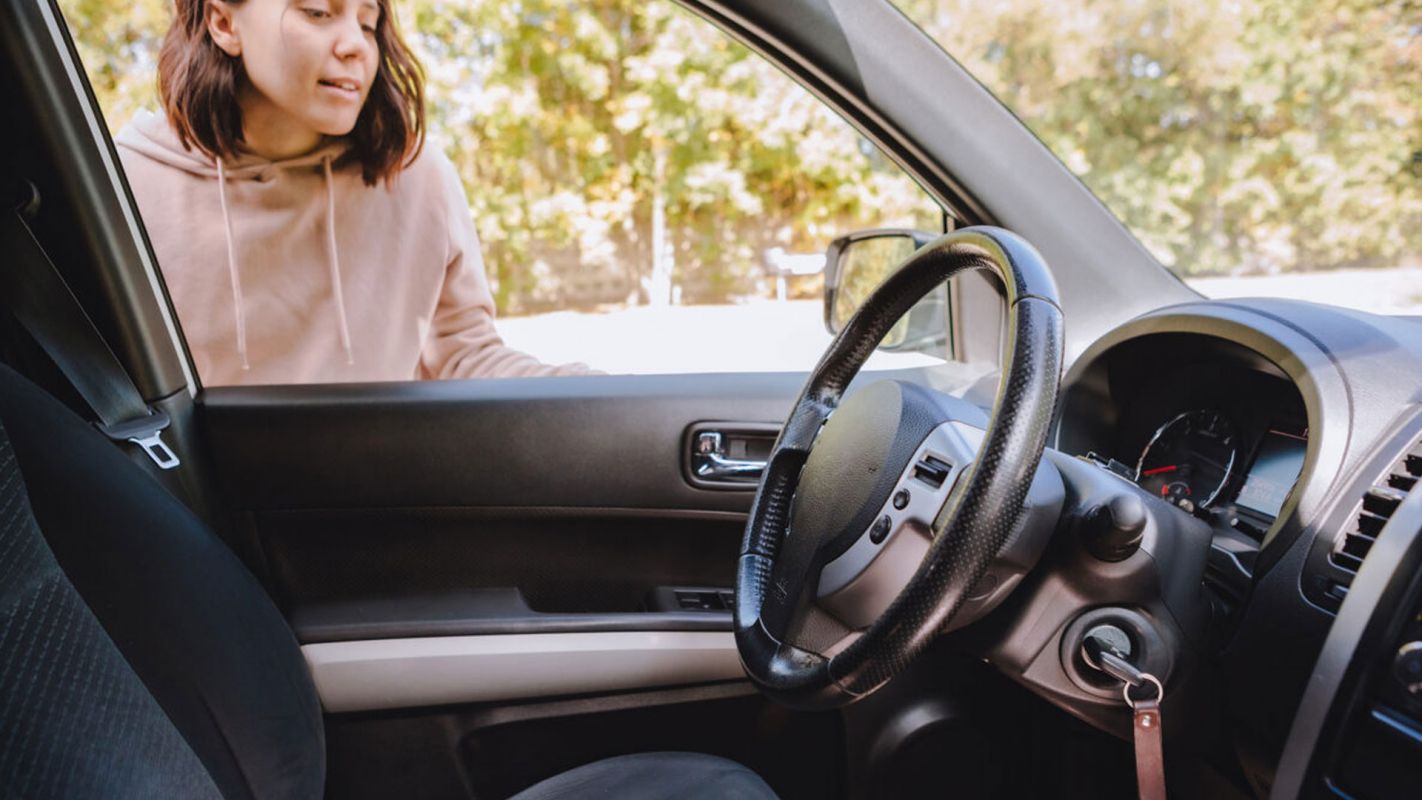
x=294, y=272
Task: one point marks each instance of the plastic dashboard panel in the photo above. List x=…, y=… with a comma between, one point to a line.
x=1337, y=695
x=1359, y=377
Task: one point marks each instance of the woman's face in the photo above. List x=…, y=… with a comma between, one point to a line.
x=310, y=64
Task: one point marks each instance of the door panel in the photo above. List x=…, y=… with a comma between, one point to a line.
x=588, y=442
x=567, y=561
x=509, y=508
x=376, y=675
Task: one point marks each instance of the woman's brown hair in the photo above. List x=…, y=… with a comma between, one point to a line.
x=198, y=83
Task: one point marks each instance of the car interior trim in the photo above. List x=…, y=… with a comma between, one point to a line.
x=485, y=612
x=440, y=670
x=150, y=342
x=1381, y=577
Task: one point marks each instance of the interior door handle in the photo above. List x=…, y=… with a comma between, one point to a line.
x=709, y=460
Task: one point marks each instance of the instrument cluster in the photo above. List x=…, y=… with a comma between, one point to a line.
x=1204, y=424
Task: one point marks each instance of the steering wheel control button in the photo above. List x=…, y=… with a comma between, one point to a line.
x=932, y=471
x=901, y=499
x=881, y=529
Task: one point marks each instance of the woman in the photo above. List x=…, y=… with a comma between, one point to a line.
x=305, y=233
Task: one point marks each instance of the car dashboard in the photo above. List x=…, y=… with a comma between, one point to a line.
x=1293, y=430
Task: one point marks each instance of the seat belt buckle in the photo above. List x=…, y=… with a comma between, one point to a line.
x=147, y=433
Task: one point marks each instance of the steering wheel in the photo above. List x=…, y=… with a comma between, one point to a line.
x=875, y=519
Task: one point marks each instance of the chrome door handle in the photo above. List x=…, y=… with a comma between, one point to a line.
x=709, y=461
x=718, y=466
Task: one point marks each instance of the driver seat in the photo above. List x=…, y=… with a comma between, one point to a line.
x=140, y=658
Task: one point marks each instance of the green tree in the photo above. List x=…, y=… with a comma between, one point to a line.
x=118, y=43
x=604, y=142
x=1230, y=136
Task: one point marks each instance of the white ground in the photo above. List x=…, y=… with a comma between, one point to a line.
x=761, y=336
x=767, y=336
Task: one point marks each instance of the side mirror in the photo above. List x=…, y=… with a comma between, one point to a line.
x=856, y=264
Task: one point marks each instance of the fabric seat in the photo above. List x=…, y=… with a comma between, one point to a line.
x=140, y=658
x=684, y=776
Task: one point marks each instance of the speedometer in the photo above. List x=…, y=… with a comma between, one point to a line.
x=1189, y=459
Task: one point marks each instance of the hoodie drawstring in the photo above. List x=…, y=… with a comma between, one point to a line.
x=232, y=268
x=335, y=262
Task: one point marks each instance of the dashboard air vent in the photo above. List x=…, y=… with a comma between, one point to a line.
x=1374, y=511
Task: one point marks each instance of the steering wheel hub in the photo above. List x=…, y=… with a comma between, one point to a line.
x=855, y=464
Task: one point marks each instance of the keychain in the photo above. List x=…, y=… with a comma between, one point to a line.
x=1150, y=751
x=1146, y=726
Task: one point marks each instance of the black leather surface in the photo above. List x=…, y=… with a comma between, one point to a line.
x=75, y=721
x=476, y=613
x=195, y=626
x=562, y=561
x=653, y=776
x=592, y=442
x=972, y=528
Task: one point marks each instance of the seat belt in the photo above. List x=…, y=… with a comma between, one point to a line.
x=42, y=302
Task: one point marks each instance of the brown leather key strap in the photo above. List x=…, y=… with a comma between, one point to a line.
x=1150, y=750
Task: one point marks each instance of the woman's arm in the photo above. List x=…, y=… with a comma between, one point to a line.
x=462, y=341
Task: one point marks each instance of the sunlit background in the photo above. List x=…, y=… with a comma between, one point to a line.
x=1256, y=147
x=653, y=197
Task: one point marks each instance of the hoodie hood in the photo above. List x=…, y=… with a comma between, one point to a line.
x=150, y=135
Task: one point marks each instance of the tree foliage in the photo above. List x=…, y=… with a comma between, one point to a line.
x=1231, y=136
x=572, y=123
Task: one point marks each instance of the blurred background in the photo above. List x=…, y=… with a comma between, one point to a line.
x=653, y=197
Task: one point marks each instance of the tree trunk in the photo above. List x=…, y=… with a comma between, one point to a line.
x=659, y=286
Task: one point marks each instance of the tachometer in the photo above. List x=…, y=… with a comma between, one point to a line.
x=1189, y=459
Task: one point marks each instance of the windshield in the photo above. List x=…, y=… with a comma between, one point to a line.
x=1256, y=147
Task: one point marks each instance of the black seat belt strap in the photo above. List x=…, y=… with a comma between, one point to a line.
x=42, y=302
